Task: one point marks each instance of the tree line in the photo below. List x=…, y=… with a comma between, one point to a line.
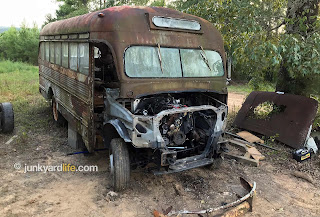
x=20, y=44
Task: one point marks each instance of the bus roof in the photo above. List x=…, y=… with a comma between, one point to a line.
x=120, y=18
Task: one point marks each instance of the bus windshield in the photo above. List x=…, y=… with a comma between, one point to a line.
x=159, y=62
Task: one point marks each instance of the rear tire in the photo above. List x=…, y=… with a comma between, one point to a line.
x=7, y=117
x=57, y=116
x=119, y=164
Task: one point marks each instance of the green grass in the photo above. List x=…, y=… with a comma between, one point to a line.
x=7, y=66
x=19, y=84
x=18, y=81
x=247, y=88
x=240, y=88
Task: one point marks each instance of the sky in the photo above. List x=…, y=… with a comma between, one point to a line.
x=14, y=12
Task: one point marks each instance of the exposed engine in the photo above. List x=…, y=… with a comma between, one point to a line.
x=183, y=132
x=187, y=130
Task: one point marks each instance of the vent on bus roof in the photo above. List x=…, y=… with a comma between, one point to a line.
x=174, y=23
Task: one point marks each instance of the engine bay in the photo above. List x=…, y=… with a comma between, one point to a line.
x=185, y=132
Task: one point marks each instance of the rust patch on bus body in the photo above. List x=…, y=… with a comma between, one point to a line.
x=72, y=90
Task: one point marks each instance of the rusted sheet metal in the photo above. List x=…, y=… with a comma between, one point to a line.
x=246, y=201
x=119, y=30
x=72, y=92
x=147, y=86
x=66, y=79
x=289, y=125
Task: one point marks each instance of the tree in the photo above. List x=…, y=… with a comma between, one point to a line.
x=20, y=45
x=262, y=50
x=249, y=32
x=72, y=8
x=300, y=70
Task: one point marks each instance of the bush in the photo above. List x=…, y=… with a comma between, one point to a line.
x=20, y=45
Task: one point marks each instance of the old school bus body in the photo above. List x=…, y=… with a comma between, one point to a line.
x=86, y=67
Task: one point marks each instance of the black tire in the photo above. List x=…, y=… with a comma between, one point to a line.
x=119, y=164
x=7, y=117
x=57, y=116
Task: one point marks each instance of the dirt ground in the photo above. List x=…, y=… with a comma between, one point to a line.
x=278, y=193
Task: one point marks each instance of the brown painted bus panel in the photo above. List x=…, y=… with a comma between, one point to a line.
x=72, y=91
x=125, y=26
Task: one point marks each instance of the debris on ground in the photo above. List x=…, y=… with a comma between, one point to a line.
x=255, y=143
x=302, y=154
x=240, y=206
x=11, y=140
x=250, y=137
x=304, y=176
x=164, y=212
x=311, y=145
x=250, y=155
x=239, y=210
x=111, y=196
x=285, y=117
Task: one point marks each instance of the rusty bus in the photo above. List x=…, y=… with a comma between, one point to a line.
x=149, y=83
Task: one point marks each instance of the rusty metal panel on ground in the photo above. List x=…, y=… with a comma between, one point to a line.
x=289, y=118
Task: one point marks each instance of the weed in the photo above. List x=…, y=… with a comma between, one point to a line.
x=266, y=109
x=23, y=138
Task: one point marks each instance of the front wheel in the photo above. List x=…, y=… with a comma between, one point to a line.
x=119, y=164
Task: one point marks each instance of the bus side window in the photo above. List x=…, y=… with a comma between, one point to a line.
x=65, y=55
x=52, y=52
x=84, y=58
x=42, y=51
x=47, y=48
x=73, y=56
x=57, y=47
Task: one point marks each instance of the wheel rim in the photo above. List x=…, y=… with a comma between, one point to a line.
x=54, y=110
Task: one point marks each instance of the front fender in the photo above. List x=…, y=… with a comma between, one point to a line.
x=121, y=129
